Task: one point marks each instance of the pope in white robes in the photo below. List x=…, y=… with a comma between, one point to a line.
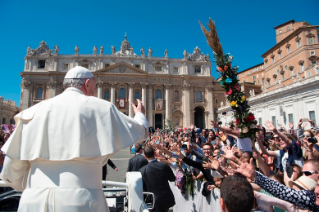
x=56, y=153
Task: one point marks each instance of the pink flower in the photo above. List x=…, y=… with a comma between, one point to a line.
x=237, y=87
x=229, y=92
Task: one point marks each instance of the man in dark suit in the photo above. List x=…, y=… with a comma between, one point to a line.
x=156, y=176
x=138, y=161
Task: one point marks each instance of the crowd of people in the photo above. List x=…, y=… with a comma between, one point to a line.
x=281, y=165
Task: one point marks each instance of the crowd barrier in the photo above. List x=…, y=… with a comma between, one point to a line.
x=200, y=203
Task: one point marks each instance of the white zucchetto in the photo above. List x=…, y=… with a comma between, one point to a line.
x=78, y=72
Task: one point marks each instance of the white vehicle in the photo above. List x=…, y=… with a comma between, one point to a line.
x=128, y=197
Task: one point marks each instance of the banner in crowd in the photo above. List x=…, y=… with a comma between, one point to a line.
x=7, y=128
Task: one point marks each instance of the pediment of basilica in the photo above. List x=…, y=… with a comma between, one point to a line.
x=121, y=68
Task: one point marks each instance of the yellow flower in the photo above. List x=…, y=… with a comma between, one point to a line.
x=243, y=98
x=233, y=103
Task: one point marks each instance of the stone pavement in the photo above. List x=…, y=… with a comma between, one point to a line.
x=120, y=159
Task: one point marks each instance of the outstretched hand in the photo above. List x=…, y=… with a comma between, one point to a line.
x=214, y=124
x=247, y=169
x=140, y=107
x=270, y=126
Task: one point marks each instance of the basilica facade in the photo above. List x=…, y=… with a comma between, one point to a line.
x=181, y=90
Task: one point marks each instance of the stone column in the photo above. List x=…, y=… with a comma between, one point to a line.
x=113, y=92
x=131, y=99
x=26, y=86
x=52, y=88
x=168, y=113
x=150, y=106
x=99, y=89
x=144, y=94
x=186, y=105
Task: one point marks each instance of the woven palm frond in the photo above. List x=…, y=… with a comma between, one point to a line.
x=212, y=37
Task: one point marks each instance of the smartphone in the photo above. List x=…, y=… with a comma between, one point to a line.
x=281, y=130
x=304, y=119
x=205, y=159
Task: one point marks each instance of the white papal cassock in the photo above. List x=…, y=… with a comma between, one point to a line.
x=56, y=153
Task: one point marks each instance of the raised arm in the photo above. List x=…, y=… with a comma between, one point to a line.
x=225, y=129
x=271, y=127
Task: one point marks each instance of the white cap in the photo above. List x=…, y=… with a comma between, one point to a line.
x=78, y=72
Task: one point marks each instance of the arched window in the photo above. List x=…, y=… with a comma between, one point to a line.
x=198, y=96
x=39, y=93
x=122, y=93
x=176, y=95
x=158, y=94
x=107, y=94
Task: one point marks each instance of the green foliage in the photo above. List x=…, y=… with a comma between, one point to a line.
x=244, y=119
x=170, y=125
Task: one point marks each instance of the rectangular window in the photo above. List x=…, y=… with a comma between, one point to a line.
x=137, y=66
x=312, y=116
x=280, y=56
x=298, y=43
x=262, y=81
x=313, y=63
x=288, y=49
x=254, y=82
x=158, y=68
x=85, y=65
x=65, y=66
x=107, y=95
x=3, y=120
x=312, y=53
x=273, y=60
x=243, y=74
x=283, y=76
x=266, y=63
x=302, y=67
x=274, y=121
x=106, y=65
x=309, y=73
x=260, y=121
x=137, y=95
x=175, y=69
x=291, y=118
x=41, y=63
x=254, y=77
x=269, y=83
x=197, y=69
x=261, y=67
x=292, y=72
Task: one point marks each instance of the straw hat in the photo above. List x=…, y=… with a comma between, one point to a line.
x=304, y=182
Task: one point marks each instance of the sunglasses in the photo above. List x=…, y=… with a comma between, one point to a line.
x=308, y=173
x=307, y=136
x=276, y=137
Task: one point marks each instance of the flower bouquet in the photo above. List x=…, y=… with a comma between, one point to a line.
x=243, y=118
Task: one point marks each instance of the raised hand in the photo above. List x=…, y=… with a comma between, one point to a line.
x=300, y=122
x=247, y=169
x=214, y=124
x=291, y=126
x=270, y=126
x=207, y=165
x=140, y=107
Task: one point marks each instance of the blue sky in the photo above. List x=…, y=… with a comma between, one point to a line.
x=245, y=28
